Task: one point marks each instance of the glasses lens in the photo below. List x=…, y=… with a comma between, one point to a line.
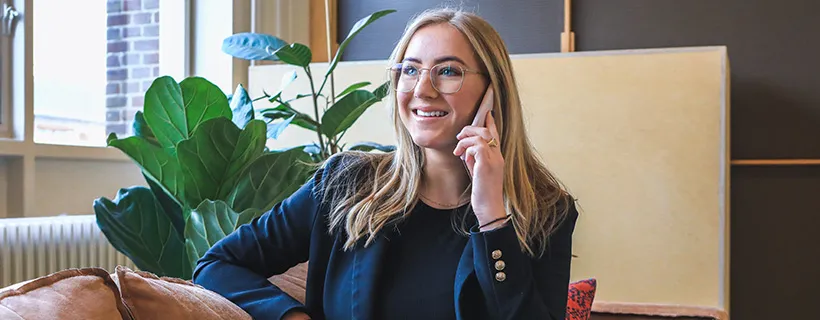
x=447, y=78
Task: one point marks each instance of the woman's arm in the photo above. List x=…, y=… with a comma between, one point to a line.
x=525, y=287
x=238, y=266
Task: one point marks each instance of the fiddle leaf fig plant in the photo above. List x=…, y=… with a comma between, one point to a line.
x=204, y=159
x=338, y=112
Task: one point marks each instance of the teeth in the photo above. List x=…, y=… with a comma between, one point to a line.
x=431, y=113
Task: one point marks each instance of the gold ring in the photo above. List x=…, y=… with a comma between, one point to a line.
x=492, y=143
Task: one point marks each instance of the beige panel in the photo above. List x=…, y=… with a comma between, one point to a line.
x=71, y=186
x=638, y=136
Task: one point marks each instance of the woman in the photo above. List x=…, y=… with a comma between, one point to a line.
x=411, y=234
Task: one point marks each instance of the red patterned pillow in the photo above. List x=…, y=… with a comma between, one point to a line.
x=581, y=294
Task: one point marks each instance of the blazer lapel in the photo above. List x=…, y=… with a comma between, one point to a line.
x=367, y=264
x=465, y=271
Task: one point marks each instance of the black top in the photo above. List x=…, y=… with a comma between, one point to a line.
x=424, y=249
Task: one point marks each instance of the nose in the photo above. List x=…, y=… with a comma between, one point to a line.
x=424, y=88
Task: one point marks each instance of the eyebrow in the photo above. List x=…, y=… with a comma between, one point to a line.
x=438, y=60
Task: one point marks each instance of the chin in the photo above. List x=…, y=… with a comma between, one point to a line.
x=435, y=143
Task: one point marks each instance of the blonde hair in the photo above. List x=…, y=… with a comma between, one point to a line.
x=372, y=190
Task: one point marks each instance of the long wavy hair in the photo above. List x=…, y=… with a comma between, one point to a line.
x=372, y=190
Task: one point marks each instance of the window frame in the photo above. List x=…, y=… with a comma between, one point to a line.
x=6, y=41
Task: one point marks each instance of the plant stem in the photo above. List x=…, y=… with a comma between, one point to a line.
x=316, y=111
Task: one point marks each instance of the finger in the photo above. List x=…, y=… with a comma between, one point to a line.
x=470, y=131
x=465, y=143
x=490, y=124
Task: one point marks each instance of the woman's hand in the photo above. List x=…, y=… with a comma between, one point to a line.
x=296, y=315
x=486, y=166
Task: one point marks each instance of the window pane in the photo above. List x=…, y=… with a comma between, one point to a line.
x=91, y=83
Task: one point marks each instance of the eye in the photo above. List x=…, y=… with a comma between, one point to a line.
x=449, y=71
x=409, y=70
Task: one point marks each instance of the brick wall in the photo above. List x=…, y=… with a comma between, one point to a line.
x=133, y=59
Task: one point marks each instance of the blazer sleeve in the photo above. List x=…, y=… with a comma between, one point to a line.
x=517, y=286
x=239, y=265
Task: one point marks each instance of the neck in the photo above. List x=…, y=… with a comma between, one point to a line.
x=444, y=178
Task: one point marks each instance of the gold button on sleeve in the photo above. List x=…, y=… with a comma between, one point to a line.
x=496, y=254
x=500, y=276
x=500, y=265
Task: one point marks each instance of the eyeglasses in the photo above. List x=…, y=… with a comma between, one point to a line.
x=445, y=77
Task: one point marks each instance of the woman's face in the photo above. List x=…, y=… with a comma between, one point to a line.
x=432, y=118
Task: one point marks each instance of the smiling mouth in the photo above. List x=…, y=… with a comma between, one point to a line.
x=431, y=114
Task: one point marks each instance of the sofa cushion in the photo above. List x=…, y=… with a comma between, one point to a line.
x=148, y=296
x=293, y=282
x=87, y=293
x=579, y=302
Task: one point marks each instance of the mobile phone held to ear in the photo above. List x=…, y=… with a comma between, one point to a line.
x=481, y=114
x=484, y=108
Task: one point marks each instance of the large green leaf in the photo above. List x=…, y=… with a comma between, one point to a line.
x=210, y=222
x=169, y=205
x=270, y=179
x=251, y=145
x=242, y=107
x=295, y=54
x=344, y=113
x=159, y=164
x=213, y=154
x=173, y=111
x=283, y=112
x=353, y=32
x=141, y=128
x=276, y=128
x=252, y=46
x=136, y=226
x=353, y=87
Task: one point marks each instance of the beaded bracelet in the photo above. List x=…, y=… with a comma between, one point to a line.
x=494, y=221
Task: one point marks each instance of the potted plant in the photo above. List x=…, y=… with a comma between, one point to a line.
x=204, y=158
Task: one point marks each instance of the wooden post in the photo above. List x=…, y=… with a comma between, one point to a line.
x=567, y=37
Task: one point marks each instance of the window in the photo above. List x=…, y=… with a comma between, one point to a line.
x=90, y=75
x=9, y=14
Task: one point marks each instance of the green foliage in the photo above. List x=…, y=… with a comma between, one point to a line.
x=204, y=159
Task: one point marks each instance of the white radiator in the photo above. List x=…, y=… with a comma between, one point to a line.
x=35, y=247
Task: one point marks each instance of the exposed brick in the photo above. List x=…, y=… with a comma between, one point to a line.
x=137, y=101
x=132, y=87
x=114, y=33
x=112, y=116
x=150, y=30
x=140, y=73
x=141, y=18
x=119, y=128
x=131, y=59
x=131, y=32
x=112, y=61
x=150, y=58
x=116, y=102
x=128, y=114
x=146, y=45
x=150, y=4
x=114, y=6
x=116, y=74
x=146, y=85
x=155, y=71
x=117, y=20
x=112, y=88
x=131, y=5
x=156, y=17
x=117, y=46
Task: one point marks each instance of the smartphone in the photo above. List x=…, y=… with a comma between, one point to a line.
x=481, y=116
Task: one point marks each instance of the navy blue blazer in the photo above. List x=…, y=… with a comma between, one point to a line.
x=342, y=284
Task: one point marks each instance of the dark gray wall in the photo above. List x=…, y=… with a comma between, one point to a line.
x=378, y=39
x=774, y=52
